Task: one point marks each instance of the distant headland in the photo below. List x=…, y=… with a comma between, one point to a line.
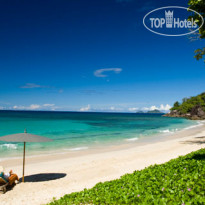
x=151, y=112
x=191, y=108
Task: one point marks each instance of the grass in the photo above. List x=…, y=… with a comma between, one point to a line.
x=179, y=181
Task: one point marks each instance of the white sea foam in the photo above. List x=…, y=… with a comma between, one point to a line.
x=77, y=148
x=165, y=131
x=132, y=139
x=9, y=146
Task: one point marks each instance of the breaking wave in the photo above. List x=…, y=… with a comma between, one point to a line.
x=77, y=148
x=8, y=146
x=132, y=139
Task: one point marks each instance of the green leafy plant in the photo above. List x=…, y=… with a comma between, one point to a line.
x=199, y=6
x=179, y=181
x=188, y=103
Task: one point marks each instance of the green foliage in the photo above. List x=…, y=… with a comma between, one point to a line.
x=199, y=6
x=189, y=103
x=176, y=105
x=179, y=181
x=199, y=53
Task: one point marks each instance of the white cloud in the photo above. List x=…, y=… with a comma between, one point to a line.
x=100, y=72
x=34, y=107
x=167, y=107
x=154, y=108
x=106, y=108
x=48, y=105
x=161, y=107
x=1, y=108
x=32, y=85
x=132, y=109
x=31, y=107
x=113, y=108
x=87, y=108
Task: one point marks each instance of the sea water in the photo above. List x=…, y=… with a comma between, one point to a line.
x=74, y=131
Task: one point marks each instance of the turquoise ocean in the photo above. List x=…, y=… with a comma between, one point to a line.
x=74, y=131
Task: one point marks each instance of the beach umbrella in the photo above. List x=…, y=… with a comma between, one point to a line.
x=24, y=137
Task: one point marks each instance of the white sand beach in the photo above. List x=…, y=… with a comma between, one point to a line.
x=74, y=172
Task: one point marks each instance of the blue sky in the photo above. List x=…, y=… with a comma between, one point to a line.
x=92, y=56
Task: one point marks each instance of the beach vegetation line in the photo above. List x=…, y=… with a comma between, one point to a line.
x=179, y=181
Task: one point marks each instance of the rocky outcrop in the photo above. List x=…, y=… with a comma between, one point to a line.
x=173, y=113
x=196, y=113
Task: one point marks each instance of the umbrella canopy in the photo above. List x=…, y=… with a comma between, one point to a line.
x=24, y=137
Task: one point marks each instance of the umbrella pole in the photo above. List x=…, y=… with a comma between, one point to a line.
x=24, y=150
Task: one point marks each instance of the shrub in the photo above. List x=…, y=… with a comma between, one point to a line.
x=179, y=181
x=188, y=103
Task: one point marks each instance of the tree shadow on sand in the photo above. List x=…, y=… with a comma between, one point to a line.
x=197, y=140
x=43, y=177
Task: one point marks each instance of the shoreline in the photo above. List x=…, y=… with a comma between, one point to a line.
x=116, y=145
x=85, y=168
